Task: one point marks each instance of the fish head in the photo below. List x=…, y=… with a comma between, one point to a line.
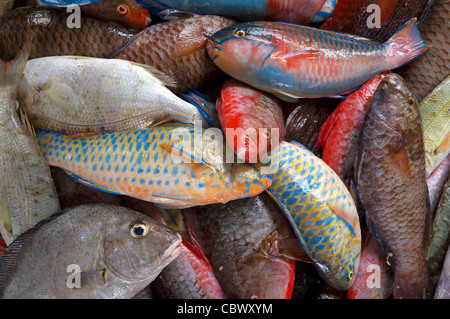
x=240, y=49
x=137, y=247
x=396, y=105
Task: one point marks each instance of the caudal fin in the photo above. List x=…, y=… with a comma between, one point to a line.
x=11, y=71
x=407, y=44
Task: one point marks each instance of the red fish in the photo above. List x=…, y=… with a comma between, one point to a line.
x=251, y=119
x=374, y=279
x=124, y=12
x=340, y=132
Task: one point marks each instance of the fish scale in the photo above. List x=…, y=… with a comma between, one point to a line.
x=311, y=195
x=139, y=163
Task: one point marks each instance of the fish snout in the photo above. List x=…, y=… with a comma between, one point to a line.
x=173, y=251
x=213, y=48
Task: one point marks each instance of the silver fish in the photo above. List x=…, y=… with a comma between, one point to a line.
x=73, y=95
x=27, y=193
x=89, y=251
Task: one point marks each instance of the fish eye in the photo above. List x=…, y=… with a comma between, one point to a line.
x=266, y=134
x=138, y=230
x=350, y=275
x=122, y=9
x=240, y=33
x=411, y=101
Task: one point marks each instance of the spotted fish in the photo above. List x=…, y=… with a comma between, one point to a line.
x=322, y=212
x=174, y=165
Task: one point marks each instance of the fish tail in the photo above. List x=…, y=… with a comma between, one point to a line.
x=409, y=285
x=407, y=44
x=11, y=71
x=205, y=106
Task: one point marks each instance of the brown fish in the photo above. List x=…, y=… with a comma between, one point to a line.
x=355, y=17
x=178, y=49
x=6, y=6
x=428, y=71
x=391, y=182
x=52, y=35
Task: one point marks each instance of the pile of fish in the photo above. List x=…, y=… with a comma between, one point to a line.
x=273, y=149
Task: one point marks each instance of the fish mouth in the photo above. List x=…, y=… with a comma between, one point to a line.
x=174, y=250
x=213, y=48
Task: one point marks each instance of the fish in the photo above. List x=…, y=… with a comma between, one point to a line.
x=391, y=184
x=174, y=165
x=424, y=74
x=305, y=119
x=339, y=133
x=52, y=35
x=359, y=17
x=293, y=61
x=374, y=279
x=71, y=193
x=297, y=11
x=125, y=12
x=6, y=6
x=190, y=275
x=177, y=47
x=27, y=192
x=251, y=119
x=321, y=211
x=65, y=3
x=89, y=251
x=436, y=181
x=440, y=237
x=326, y=12
x=443, y=286
x=73, y=95
x=245, y=241
x=435, y=110
x=307, y=284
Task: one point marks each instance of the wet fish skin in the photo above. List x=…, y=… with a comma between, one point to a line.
x=436, y=181
x=351, y=16
x=236, y=238
x=27, y=192
x=340, y=132
x=443, y=286
x=321, y=211
x=257, y=113
x=119, y=252
x=6, y=6
x=148, y=164
x=178, y=44
x=73, y=95
x=372, y=261
x=305, y=119
x=52, y=36
x=427, y=72
x=391, y=183
x=296, y=11
x=435, y=110
x=293, y=61
x=440, y=237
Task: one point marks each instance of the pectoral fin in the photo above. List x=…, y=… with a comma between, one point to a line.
x=191, y=39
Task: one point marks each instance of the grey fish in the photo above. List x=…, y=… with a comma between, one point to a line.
x=27, y=193
x=440, y=238
x=115, y=251
x=73, y=95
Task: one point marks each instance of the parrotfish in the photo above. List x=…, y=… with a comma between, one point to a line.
x=321, y=211
x=88, y=252
x=339, y=133
x=246, y=242
x=27, y=192
x=374, y=279
x=298, y=11
x=440, y=237
x=443, y=286
x=305, y=119
x=435, y=111
x=177, y=47
x=391, y=183
x=424, y=74
x=251, y=119
x=174, y=165
x=436, y=181
x=52, y=35
x=73, y=95
x=293, y=61
x=374, y=19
